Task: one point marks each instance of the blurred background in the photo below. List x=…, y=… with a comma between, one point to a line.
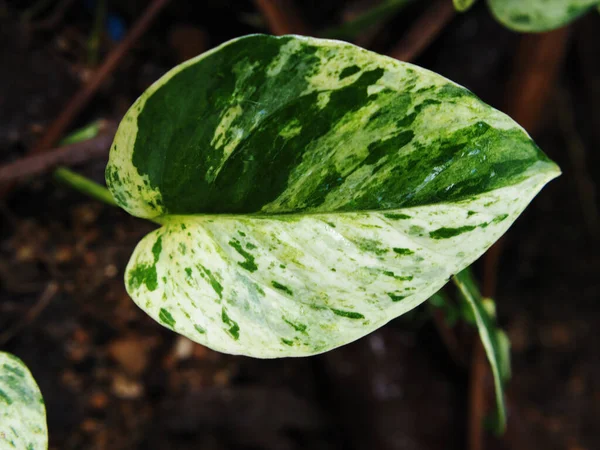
x=114, y=379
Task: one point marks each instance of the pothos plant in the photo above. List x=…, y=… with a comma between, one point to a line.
x=308, y=191
x=534, y=15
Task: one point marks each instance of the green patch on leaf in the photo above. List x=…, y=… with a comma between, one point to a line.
x=166, y=318
x=445, y=232
x=403, y=251
x=500, y=218
x=296, y=326
x=396, y=216
x=248, y=263
x=157, y=248
x=143, y=274
x=216, y=285
x=11, y=368
x=5, y=398
x=372, y=246
x=395, y=297
x=282, y=287
x=347, y=314
x=234, y=329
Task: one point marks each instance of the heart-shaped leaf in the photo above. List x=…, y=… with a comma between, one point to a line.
x=22, y=411
x=310, y=191
x=538, y=15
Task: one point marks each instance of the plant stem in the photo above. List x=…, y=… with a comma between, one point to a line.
x=488, y=335
x=84, y=185
x=89, y=187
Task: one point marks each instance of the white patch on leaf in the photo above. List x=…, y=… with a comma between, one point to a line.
x=22, y=411
x=334, y=276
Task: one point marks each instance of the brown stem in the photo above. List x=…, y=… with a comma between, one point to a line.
x=537, y=64
x=424, y=31
x=477, y=404
x=68, y=155
x=282, y=17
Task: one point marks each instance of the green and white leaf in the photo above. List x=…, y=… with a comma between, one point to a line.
x=22, y=411
x=539, y=15
x=494, y=340
x=310, y=191
x=463, y=5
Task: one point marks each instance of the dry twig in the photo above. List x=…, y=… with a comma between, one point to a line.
x=68, y=155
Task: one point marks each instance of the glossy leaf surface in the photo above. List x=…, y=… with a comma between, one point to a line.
x=310, y=191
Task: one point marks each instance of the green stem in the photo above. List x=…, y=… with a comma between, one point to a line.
x=84, y=185
x=89, y=187
x=85, y=133
x=489, y=335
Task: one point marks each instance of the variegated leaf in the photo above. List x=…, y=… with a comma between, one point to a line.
x=539, y=15
x=22, y=411
x=310, y=191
